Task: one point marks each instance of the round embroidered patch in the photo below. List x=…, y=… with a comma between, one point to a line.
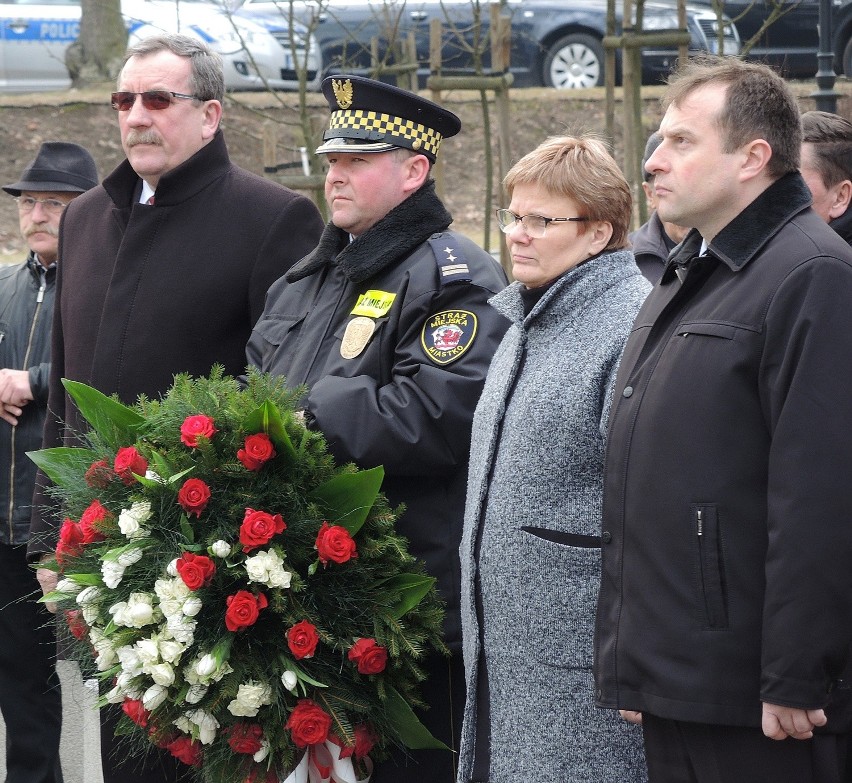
x=447, y=335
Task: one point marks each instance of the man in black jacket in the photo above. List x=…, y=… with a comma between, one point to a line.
x=387, y=324
x=29, y=689
x=827, y=167
x=725, y=612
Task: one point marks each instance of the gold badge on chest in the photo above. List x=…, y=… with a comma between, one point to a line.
x=358, y=333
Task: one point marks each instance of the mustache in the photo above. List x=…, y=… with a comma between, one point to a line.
x=135, y=137
x=41, y=228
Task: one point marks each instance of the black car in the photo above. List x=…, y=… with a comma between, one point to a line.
x=554, y=43
x=789, y=43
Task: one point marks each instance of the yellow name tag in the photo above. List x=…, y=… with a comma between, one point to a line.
x=374, y=304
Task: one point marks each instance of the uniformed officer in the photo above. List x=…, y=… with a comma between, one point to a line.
x=386, y=323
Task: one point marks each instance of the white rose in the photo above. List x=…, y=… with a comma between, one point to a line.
x=181, y=628
x=191, y=606
x=91, y=614
x=66, y=585
x=130, y=660
x=119, y=613
x=163, y=674
x=140, y=609
x=289, y=680
x=88, y=596
x=113, y=573
x=196, y=693
x=130, y=557
x=267, y=567
x=115, y=695
x=171, y=568
x=207, y=725
x=251, y=696
x=220, y=548
x=206, y=665
x=171, y=651
x=154, y=697
x=263, y=752
x=148, y=651
x=130, y=519
x=184, y=724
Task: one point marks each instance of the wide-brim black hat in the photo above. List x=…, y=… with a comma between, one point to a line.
x=377, y=117
x=59, y=167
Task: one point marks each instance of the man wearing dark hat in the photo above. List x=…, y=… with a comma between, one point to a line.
x=387, y=324
x=29, y=688
x=654, y=240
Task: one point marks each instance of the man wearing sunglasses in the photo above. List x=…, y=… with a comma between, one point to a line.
x=165, y=267
x=29, y=688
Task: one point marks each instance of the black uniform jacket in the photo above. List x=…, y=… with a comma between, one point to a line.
x=145, y=292
x=392, y=335
x=727, y=503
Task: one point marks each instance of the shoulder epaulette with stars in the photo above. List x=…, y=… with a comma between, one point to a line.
x=452, y=264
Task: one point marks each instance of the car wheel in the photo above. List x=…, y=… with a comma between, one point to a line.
x=574, y=62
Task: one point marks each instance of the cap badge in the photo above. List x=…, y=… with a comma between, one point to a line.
x=343, y=92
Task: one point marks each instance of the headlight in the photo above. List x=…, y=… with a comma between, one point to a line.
x=660, y=22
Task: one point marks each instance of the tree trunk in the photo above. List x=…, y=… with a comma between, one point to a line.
x=96, y=56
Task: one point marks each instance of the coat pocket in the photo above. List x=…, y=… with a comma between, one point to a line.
x=711, y=574
x=566, y=539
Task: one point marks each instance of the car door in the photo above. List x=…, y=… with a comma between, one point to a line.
x=33, y=40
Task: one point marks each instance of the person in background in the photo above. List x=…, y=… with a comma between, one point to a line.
x=531, y=546
x=30, y=698
x=164, y=270
x=654, y=240
x=827, y=167
x=386, y=324
x=725, y=611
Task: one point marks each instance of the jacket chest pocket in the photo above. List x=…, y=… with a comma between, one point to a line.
x=710, y=565
x=280, y=338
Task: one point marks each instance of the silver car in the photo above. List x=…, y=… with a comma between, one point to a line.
x=35, y=35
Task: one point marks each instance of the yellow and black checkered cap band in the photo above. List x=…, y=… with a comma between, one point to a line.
x=373, y=126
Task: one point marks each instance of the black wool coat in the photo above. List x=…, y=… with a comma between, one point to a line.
x=146, y=292
x=726, y=573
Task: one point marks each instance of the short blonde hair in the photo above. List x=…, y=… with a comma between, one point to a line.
x=581, y=169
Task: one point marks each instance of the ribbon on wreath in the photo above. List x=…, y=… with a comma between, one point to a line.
x=322, y=764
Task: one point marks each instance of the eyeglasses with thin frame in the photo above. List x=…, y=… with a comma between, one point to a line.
x=53, y=206
x=153, y=100
x=535, y=226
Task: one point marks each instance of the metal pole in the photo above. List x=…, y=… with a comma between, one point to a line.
x=825, y=95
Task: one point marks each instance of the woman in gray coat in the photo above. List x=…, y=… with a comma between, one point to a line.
x=531, y=546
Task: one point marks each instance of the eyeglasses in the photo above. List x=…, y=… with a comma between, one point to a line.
x=535, y=226
x=153, y=100
x=53, y=206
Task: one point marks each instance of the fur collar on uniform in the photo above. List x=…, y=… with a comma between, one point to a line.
x=395, y=236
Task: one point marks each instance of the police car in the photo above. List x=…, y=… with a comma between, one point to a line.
x=256, y=54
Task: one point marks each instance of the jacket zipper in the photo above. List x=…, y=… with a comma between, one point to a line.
x=42, y=277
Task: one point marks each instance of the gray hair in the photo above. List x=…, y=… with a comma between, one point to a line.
x=207, y=77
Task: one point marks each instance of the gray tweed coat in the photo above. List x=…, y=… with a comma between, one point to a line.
x=530, y=549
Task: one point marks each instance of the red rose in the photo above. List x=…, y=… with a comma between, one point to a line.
x=365, y=739
x=76, y=623
x=258, y=527
x=195, y=570
x=243, y=609
x=335, y=543
x=302, y=639
x=186, y=749
x=256, y=452
x=99, y=474
x=70, y=542
x=194, y=496
x=94, y=514
x=195, y=427
x=129, y=461
x=134, y=710
x=370, y=657
x=308, y=723
x=245, y=737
